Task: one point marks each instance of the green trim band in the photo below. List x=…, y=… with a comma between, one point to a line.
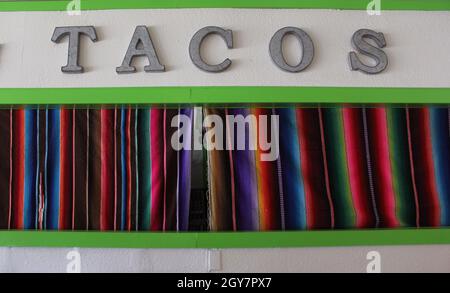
x=223, y=95
x=225, y=239
x=60, y=5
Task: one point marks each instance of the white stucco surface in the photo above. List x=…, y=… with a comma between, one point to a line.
x=418, y=48
x=339, y=259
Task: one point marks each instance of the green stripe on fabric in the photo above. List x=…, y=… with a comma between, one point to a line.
x=213, y=95
x=399, y=156
x=225, y=239
x=144, y=161
x=136, y=155
x=61, y=5
x=338, y=169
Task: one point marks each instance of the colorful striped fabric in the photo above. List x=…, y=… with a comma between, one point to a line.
x=115, y=169
x=92, y=169
x=338, y=168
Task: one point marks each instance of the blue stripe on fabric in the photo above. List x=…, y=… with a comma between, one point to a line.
x=440, y=137
x=44, y=224
x=29, y=213
x=36, y=202
x=53, y=169
x=293, y=187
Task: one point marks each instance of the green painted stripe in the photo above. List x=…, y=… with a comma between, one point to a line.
x=60, y=5
x=225, y=239
x=221, y=95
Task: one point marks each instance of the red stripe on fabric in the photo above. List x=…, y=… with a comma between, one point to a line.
x=268, y=192
x=65, y=202
x=230, y=157
x=359, y=185
x=73, y=168
x=381, y=163
x=11, y=119
x=18, y=169
x=115, y=168
x=63, y=172
x=423, y=167
x=157, y=169
x=151, y=164
x=128, y=159
x=164, y=170
x=88, y=137
x=317, y=205
x=107, y=169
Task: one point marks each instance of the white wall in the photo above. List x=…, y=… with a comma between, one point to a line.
x=418, y=46
x=340, y=259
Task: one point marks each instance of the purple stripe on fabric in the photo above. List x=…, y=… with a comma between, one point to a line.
x=184, y=173
x=245, y=177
